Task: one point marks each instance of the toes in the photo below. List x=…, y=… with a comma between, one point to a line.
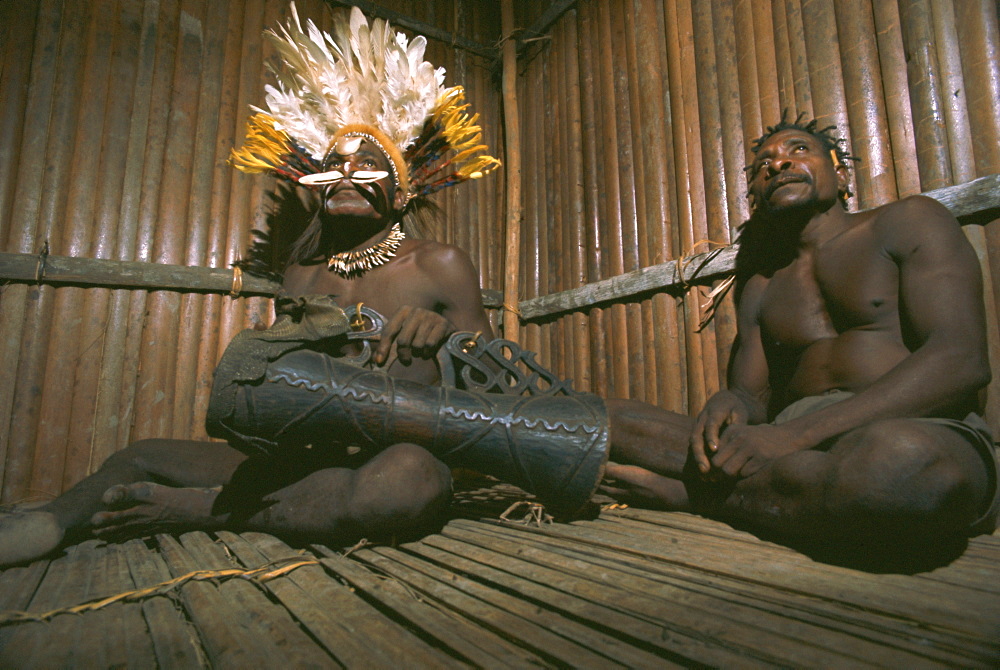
x=115, y=495
x=105, y=519
x=126, y=495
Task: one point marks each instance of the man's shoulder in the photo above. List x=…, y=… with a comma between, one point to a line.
x=917, y=222
x=437, y=256
x=434, y=249
x=911, y=209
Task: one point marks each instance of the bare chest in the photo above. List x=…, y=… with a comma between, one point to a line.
x=384, y=289
x=848, y=284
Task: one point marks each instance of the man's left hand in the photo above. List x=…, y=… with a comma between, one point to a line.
x=416, y=332
x=743, y=450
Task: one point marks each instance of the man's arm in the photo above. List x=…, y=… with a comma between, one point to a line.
x=452, y=284
x=746, y=400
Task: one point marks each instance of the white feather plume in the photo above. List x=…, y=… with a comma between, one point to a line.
x=359, y=74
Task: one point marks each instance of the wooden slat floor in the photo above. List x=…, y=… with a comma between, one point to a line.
x=630, y=587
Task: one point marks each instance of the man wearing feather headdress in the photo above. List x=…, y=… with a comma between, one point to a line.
x=361, y=120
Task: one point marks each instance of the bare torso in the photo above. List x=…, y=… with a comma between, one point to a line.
x=830, y=319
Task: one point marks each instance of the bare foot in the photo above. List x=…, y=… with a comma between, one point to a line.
x=26, y=535
x=642, y=488
x=145, y=507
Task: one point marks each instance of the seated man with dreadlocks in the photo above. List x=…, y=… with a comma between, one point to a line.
x=354, y=251
x=861, y=349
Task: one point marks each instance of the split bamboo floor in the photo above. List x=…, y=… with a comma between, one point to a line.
x=627, y=588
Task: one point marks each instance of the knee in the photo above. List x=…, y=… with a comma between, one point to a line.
x=404, y=486
x=135, y=455
x=910, y=475
x=428, y=478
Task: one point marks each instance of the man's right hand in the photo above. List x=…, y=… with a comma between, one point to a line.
x=725, y=408
x=416, y=332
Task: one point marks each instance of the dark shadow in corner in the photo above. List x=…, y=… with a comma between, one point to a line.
x=292, y=210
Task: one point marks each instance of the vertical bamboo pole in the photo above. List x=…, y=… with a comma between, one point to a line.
x=628, y=180
x=250, y=90
x=753, y=99
x=74, y=351
x=979, y=42
x=701, y=345
x=533, y=209
x=736, y=207
x=61, y=224
x=945, y=40
x=609, y=233
x=732, y=207
x=593, y=239
x=892, y=63
x=101, y=439
x=30, y=473
x=494, y=203
x=511, y=288
x=783, y=62
x=797, y=56
x=573, y=158
x=38, y=27
x=820, y=25
x=713, y=166
x=194, y=342
x=464, y=234
x=548, y=219
x=755, y=24
x=661, y=213
x=645, y=191
x=876, y=178
x=688, y=173
x=158, y=355
x=925, y=94
x=229, y=118
x=117, y=381
x=18, y=20
x=137, y=387
x=256, y=311
x=612, y=219
x=560, y=168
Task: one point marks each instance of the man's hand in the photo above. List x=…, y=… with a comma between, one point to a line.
x=723, y=410
x=743, y=450
x=416, y=332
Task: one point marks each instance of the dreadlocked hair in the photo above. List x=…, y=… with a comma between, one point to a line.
x=825, y=136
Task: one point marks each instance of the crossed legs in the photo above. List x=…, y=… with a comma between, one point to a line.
x=163, y=485
x=897, y=479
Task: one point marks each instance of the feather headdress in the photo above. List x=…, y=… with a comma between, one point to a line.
x=362, y=81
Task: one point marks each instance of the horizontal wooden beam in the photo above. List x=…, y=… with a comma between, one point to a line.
x=66, y=270
x=973, y=197
x=50, y=269
x=545, y=20
x=427, y=30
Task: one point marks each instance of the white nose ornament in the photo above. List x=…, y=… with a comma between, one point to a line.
x=358, y=177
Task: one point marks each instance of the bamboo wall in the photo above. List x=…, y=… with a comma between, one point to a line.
x=116, y=119
x=636, y=118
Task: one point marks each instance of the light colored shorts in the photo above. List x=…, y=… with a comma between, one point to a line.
x=972, y=428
